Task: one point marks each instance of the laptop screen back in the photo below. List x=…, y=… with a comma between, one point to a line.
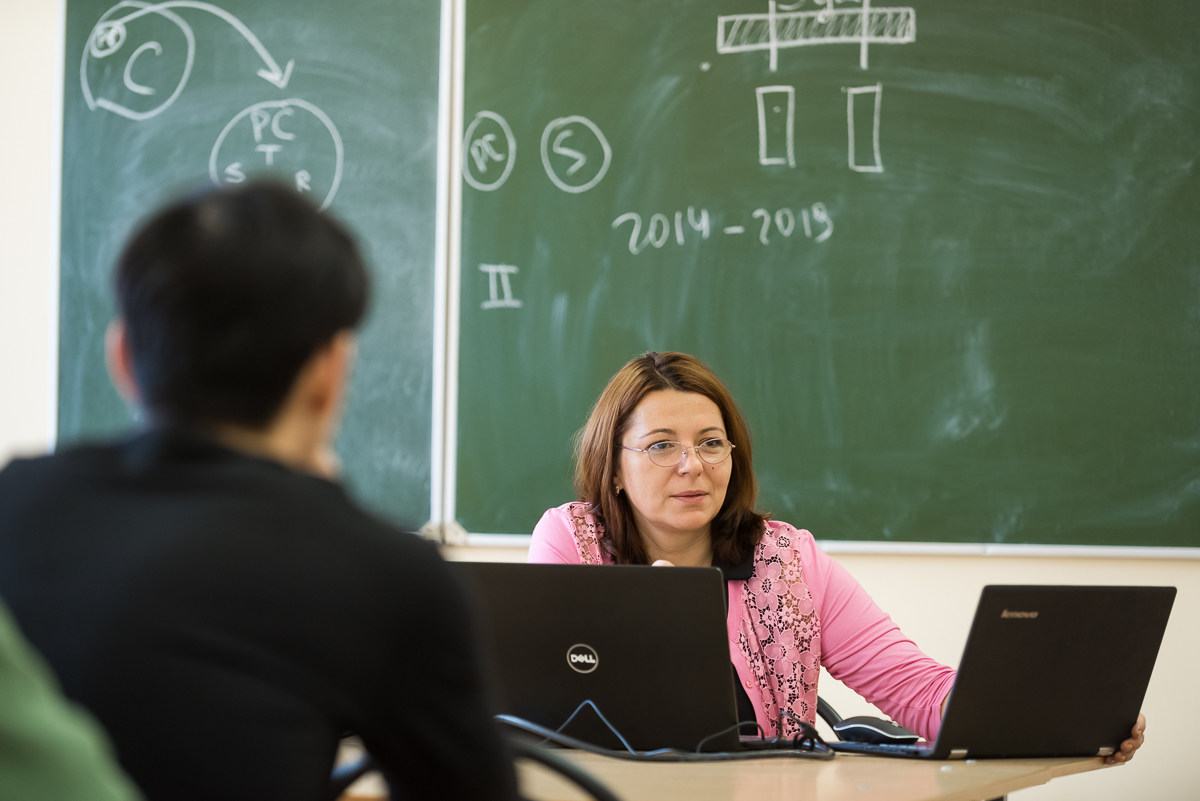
x=1054, y=671
x=647, y=645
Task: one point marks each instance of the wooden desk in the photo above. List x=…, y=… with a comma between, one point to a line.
x=861, y=778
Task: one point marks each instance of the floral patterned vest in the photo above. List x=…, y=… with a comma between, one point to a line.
x=778, y=633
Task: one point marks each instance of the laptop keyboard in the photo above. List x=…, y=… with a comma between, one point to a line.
x=876, y=748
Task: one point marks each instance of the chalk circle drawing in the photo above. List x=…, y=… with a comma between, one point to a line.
x=108, y=37
x=110, y=33
x=559, y=137
x=276, y=139
x=851, y=94
x=480, y=157
x=776, y=146
x=783, y=26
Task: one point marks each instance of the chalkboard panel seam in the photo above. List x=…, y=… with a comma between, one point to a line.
x=443, y=314
x=446, y=517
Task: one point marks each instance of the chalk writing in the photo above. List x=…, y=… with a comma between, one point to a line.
x=657, y=233
x=111, y=31
x=505, y=284
x=660, y=228
x=130, y=84
x=316, y=152
x=588, y=135
x=484, y=166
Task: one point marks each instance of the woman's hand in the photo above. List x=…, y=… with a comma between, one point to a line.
x=1130, y=746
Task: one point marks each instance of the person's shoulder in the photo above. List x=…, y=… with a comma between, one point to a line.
x=567, y=534
x=355, y=523
x=567, y=515
x=29, y=474
x=74, y=454
x=785, y=536
x=382, y=569
x=267, y=501
x=778, y=529
x=24, y=469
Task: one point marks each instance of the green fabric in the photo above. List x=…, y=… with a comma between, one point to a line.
x=49, y=750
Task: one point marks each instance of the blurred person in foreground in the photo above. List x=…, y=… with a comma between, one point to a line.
x=204, y=587
x=49, y=749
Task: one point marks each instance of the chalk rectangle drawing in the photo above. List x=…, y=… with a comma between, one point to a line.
x=864, y=104
x=773, y=31
x=776, y=125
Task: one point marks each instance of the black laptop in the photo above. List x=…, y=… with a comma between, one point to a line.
x=647, y=646
x=1048, y=672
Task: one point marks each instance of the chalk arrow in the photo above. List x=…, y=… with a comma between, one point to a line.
x=272, y=73
x=278, y=78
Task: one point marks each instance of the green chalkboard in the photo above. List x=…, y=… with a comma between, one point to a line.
x=950, y=268
x=340, y=98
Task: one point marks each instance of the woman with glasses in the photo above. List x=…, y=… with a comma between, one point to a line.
x=664, y=476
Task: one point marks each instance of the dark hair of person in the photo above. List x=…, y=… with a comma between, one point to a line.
x=225, y=297
x=736, y=529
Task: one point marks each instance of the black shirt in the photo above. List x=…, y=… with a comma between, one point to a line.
x=228, y=620
x=741, y=572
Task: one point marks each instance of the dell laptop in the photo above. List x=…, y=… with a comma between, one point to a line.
x=647, y=646
x=1048, y=672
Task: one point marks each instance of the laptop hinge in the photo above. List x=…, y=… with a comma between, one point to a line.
x=958, y=753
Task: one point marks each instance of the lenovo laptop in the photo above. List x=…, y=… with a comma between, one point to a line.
x=647, y=646
x=1048, y=672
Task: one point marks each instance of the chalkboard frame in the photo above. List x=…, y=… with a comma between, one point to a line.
x=453, y=532
x=134, y=138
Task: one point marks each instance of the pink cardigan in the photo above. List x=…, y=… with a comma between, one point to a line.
x=798, y=610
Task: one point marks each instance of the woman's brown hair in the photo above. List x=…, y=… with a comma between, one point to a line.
x=736, y=529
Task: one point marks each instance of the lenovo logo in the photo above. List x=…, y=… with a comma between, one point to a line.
x=1007, y=613
x=582, y=658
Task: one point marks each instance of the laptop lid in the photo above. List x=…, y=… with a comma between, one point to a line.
x=1053, y=671
x=647, y=645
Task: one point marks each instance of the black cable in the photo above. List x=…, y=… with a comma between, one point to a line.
x=738, y=725
x=827, y=713
x=808, y=739
x=596, y=709
x=521, y=747
x=665, y=754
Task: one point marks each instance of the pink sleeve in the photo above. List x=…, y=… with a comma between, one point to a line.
x=554, y=539
x=863, y=648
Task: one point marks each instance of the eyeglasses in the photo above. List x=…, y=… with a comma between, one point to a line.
x=669, y=454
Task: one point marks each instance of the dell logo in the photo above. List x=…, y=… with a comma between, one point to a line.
x=1007, y=613
x=582, y=658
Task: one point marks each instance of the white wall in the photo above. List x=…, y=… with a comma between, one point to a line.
x=932, y=598
x=30, y=77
